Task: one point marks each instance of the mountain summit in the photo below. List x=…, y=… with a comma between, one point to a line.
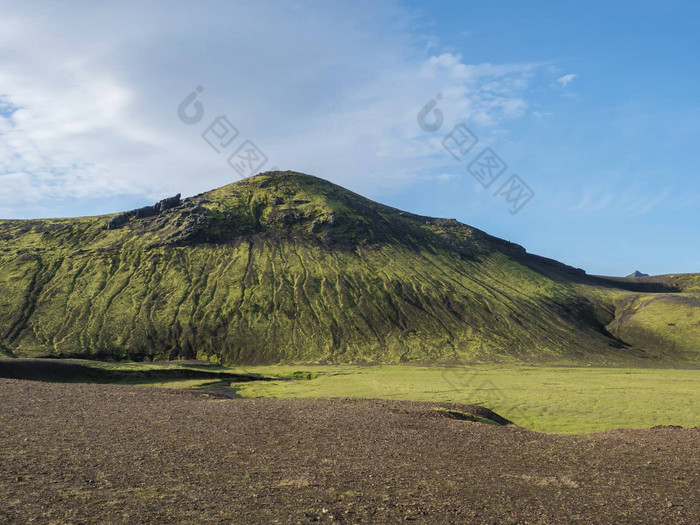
x=637, y=273
x=286, y=267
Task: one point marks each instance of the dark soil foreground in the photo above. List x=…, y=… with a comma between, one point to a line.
x=81, y=453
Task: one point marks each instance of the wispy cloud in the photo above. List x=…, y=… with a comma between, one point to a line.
x=89, y=97
x=542, y=114
x=567, y=79
x=618, y=201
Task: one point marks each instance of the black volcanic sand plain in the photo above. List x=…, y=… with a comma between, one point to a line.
x=86, y=453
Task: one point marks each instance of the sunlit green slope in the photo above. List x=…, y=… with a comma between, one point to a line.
x=285, y=267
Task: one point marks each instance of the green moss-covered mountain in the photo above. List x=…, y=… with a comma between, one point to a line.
x=285, y=267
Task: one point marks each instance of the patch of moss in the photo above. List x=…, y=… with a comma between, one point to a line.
x=299, y=375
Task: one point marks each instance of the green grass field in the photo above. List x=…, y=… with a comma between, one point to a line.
x=563, y=400
x=566, y=400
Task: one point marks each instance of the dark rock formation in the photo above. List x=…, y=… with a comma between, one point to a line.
x=147, y=211
x=167, y=204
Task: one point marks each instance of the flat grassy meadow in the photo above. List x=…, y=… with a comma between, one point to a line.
x=545, y=399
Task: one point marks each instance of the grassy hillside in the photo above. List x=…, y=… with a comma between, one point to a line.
x=285, y=267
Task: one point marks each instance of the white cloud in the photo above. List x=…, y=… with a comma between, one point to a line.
x=613, y=200
x=329, y=90
x=542, y=114
x=445, y=177
x=567, y=79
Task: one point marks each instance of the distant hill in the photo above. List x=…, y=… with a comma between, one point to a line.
x=637, y=273
x=286, y=267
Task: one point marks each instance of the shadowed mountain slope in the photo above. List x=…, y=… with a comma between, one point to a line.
x=290, y=267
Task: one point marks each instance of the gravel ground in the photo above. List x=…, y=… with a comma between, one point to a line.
x=81, y=453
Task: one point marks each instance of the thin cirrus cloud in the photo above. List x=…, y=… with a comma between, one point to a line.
x=603, y=201
x=567, y=79
x=89, y=96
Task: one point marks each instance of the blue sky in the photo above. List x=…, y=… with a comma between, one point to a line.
x=593, y=105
